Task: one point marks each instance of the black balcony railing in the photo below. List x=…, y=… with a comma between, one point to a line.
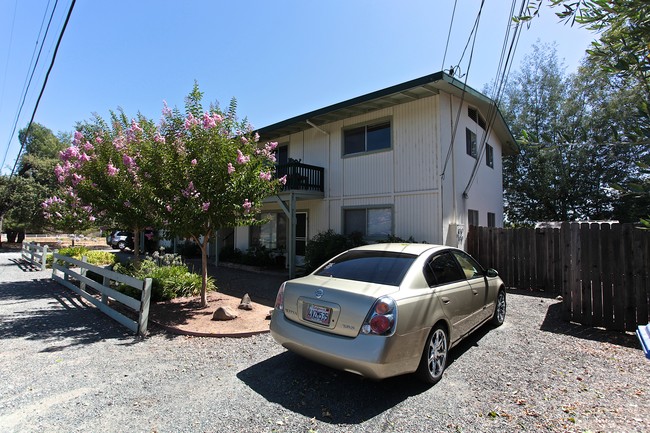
x=303, y=177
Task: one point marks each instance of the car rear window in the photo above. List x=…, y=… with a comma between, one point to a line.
x=378, y=267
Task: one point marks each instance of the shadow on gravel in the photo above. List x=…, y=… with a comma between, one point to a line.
x=553, y=322
x=333, y=396
x=328, y=395
x=43, y=310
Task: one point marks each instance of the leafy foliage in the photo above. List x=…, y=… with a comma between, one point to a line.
x=93, y=257
x=168, y=281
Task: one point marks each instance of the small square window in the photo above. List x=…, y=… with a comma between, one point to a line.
x=374, y=223
x=470, y=143
x=489, y=156
x=491, y=217
x=472, y=217
x=367, y=138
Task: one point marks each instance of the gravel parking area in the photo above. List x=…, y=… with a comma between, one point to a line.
x=68, y=368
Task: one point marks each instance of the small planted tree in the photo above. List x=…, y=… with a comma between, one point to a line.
x=66, y=212
x=211, y=172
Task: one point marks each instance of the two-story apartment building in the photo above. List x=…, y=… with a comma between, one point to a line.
x=420, y=159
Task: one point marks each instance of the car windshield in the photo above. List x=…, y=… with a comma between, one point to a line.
x=378, y=267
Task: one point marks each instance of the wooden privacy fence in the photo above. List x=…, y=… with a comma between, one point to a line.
x=34, y=254
x=103, y=291
x=601, y=270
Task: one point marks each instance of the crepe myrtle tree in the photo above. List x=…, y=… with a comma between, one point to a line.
x=103, y=166
x=212, y=172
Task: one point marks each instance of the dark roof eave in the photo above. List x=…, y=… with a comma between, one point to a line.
x=363, y=104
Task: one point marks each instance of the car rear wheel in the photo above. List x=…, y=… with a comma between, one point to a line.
x=434, y=356
x=500, y=309
x=121, y=245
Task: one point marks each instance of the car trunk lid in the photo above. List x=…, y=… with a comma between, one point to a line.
x=332, y=305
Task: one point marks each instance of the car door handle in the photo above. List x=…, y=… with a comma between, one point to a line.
x=475, y=292
x=445, y=300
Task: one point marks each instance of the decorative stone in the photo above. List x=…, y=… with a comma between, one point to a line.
x=245, y=303
x=224, y=313
x=269, y=315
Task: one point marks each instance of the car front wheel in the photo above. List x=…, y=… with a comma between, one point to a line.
x=121, y=245
x=434, y=356
x=500, y=309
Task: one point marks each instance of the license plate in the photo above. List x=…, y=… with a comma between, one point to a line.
x=318, y=314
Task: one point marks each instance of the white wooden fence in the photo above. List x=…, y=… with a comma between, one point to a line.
x=140, y=307
x=34, y=254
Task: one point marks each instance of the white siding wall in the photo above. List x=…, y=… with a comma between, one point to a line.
x=407, y=177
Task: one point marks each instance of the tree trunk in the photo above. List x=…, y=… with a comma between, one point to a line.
x=204, y=269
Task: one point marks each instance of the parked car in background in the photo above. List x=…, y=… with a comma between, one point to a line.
x=123, y=239
x=120, y=239
x=388, y=309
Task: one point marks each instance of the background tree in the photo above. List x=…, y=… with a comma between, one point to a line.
x=211, y=172
x=34, y=180
x=66, y=213
x=576, y=134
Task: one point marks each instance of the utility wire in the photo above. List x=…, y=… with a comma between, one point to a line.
x=28, y=79
x=49, y=70
x=451, y=25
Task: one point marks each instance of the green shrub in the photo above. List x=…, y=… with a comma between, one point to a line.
x=326, y=245
x=94, y=257
x=168, y=282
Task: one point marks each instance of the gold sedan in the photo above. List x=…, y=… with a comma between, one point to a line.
x=388, y=309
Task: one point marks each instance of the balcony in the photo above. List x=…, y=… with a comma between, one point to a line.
x=301, y=177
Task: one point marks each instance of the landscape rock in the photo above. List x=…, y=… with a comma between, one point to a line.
x=224, y=313
x=245, y=303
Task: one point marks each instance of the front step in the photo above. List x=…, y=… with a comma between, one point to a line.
x=643, y=332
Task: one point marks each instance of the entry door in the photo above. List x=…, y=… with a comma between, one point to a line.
x=301, y=237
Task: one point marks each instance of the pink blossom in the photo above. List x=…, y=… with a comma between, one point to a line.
x=194, y=161
x=283, y=180
x=166, y=111
x=272, y=145
x=76, y=179
x=99, y=140
x=119, y=142
x=84, y=157
x=169, y=208
x=69, y=153
x=128, y=161
x=158, y=138
x=149, y=235
x=91, y=218
x=265, y=175
x=256, y=137
x=247, y=206
x=78, y=138
x=135, y=127
x=189, y=191
x=89, y=147
x=241, y=159
x=231, y=169
x=112, y=170
x=244, y=140
x=205, y=206
x=208, y=121
x=190, y=121
x=127, y=203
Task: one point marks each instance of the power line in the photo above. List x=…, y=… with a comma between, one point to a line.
x=47, y=75
x=28, y=79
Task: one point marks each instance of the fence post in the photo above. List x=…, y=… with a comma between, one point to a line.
x=44, y=258
x=83, y=272
x=145, y=300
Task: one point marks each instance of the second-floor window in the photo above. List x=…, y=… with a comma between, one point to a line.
x=489, y=156
x=367, y=138
x=470, y=140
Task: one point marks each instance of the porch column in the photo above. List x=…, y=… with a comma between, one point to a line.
x=290, y=212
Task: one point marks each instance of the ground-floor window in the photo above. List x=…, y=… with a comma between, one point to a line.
x=272, y=234
x=372, y=222
x=472, y=217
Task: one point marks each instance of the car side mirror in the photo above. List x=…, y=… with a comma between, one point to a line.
x=491, y=273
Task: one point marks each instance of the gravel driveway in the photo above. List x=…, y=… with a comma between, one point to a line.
x=68, y=368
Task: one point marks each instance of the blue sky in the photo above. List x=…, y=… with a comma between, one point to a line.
x=279, y=58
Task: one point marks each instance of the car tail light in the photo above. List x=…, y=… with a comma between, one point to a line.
x=279, y=299
x=382, y=318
